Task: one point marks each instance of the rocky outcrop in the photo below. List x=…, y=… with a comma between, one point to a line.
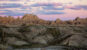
x=28, y=19
x=41, y=36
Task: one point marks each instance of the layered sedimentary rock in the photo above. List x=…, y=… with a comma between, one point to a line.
x=42, y=36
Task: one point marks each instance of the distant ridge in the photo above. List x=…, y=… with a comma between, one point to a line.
x=34, y=19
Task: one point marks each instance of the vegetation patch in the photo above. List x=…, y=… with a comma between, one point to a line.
x=55, y=32
x=24, y=29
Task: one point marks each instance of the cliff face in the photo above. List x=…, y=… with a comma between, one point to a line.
x=40, y=36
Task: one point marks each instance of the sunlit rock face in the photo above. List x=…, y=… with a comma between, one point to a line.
x=30, y=18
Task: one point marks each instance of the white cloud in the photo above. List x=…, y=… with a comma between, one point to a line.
x=29, y=2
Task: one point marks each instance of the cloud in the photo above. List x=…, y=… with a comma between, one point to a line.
x=77, y=7
x=83, y=6
x=53, y=8
x=11, y=13
x=10, y=5
x=14, y=0
x=48, y=7
x=14, y=13
x=46, y=4
x=9, y=0
x=49, y=12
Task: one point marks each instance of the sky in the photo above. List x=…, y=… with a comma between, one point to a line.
x=45, y=9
